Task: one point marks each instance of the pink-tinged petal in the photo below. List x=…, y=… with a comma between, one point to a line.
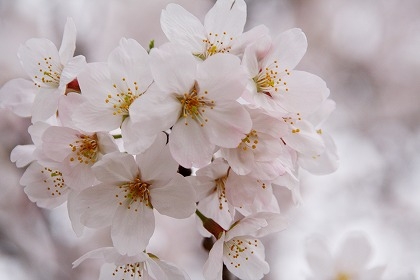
x=74, y=215
x=217, y=208
x=135, y=141
x=248, y=226
x=175, y=199
x=288, y=49
x=354, y=253
x=257, y=35
x=248, y=262
x=164, y=271
x=45, y=104
x=202, y=185
x=73, y=67
x=18, y=96
x=324, y=163
x=89, y=117
x=79, y=176
x=227, y=125
x=264, y=201
x=57, y=140
x=222, y=77
x=116, y=168
x=97, y=205
x=68, y=44
x=241, y=189
x=275, y=223
x=36, y=131
x=183, y=28
x=38, y=56
x=106, y=143
x=173, y=72
x=213, y=267
x=131, y=62
x=306, y=92
x=43, y=186
x=267, y=170
x=189, y=145
x=66, y=107
x=319, y=258
x=217, y=169
x=155, y=112
x=156, y=162
x=22, y=155
x=241, y=161
x=322, y=114
x=132, y=228
x=306, y=141
x=95, y=82
x=226, y=16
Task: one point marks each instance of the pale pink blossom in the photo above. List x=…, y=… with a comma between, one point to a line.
x=52, y=72
x=110, y=89
x=349, y=262
x=222, y=31
x=196, y=99
x=140, y=266
x=240, y=249
x=274, y=84
x=129, y=191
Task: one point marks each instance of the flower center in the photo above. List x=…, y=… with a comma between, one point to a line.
x=85, y=149
x=342, y=276
x=132, y=270
x=135, y=191
x=194, y=105
x=250, y=141
x=268, y=80
x=236, y=249
x=54, y=180
x=221, y=191
x=49, y=73
x=123, y=98
x=215, y=43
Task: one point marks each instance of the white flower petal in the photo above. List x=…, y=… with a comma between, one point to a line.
x=213, y=268
x=18, y=95
x=116, y=168
x=156, y=162
x=68, y=44
x=175, y=199
x=226, y=16
x=132, y=228
x=97, y=205
x=245, y=258
x=45, y=104
x=189, y=145
x=73, y=67
x=22, y=155
x=182, y=27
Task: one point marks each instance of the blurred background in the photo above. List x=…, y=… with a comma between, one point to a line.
x=368, y=52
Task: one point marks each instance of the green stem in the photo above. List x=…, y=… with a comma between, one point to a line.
x=118, y=136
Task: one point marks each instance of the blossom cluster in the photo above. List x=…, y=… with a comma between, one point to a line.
x=109, y=137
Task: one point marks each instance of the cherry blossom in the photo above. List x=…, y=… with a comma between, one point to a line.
x=53, y=73
x=349, y=262
x=110, y=89
x=199, y=104
x=274, y=84
x=129, y=191
x=76, y=152
x=136, y=267
x=240, y=249
x=222, y=31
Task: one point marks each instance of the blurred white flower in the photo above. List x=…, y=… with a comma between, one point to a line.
x=349, y=262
